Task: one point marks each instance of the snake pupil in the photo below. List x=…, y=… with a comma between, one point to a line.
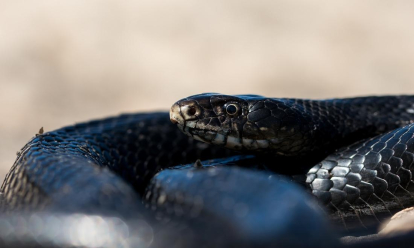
x=231, y=109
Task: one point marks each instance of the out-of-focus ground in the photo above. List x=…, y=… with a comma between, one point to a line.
x=69, y=61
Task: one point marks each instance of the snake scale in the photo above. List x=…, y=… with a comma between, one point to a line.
x=355, y=155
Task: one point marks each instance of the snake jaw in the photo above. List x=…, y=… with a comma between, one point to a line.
x=207, y=136
x=203, y=135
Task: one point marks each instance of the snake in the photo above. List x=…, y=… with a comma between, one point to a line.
x=242, y=170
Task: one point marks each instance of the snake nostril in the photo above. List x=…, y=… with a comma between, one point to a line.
x=191, y=111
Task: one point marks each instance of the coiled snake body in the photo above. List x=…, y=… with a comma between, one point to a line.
x=102, y=168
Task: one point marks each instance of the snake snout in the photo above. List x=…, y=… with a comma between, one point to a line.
x=183, y=111
x=175, y=115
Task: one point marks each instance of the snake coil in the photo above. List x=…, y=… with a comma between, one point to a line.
x=355, y=155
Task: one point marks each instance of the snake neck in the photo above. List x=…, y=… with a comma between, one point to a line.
x=344, y=121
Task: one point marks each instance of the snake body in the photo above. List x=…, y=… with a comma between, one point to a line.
x=371, y=178
x=104, y=167
x=134, y=147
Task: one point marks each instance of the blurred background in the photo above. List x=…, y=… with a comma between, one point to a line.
x=63, y=62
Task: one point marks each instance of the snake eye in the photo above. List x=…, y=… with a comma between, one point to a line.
x=232, y=109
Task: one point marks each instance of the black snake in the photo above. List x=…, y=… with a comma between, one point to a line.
x=96, y=172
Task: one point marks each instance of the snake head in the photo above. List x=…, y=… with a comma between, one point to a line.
x=213, y=118
x=245, y=122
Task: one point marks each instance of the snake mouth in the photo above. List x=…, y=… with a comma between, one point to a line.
x=223, y=138
x=204, y=135
x=208, y=136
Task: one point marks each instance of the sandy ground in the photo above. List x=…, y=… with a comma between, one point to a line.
x=63, y=62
